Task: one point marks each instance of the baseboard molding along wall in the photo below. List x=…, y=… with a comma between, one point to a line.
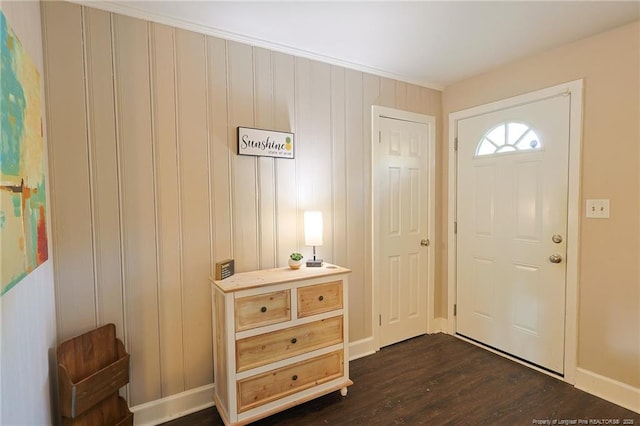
x=613, y=391
x=367, y=346
x=603, y=387
x=439, y=325
x=174, y=406
x=361, y=348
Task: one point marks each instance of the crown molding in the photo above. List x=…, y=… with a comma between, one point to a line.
x=134, y=12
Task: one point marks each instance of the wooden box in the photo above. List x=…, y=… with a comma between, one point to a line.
x=91, y=367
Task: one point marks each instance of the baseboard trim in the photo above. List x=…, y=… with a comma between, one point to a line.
x=361, y=348
x=439, y=325
x=174, y=406
x=614, y=391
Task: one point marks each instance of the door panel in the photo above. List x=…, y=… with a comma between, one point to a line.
x=401, y=210
x=510, y=203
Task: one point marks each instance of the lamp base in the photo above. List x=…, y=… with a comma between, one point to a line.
x=314, y=263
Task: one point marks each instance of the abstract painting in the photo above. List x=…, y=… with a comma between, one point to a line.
x=23, y=229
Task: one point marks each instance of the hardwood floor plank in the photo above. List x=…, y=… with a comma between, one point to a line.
x=437, y=380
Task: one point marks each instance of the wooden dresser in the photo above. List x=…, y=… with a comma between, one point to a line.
x=280, y=339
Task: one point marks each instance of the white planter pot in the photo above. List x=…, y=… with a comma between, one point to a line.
x=295, y=264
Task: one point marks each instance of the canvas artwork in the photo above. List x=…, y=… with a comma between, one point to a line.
x=23, y=231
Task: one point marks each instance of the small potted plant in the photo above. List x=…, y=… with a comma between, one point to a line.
x=295, y=260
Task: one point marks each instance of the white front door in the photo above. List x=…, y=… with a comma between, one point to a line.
x=401, y=226
x=512, y=189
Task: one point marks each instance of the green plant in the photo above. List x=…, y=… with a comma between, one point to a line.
x=296, y=256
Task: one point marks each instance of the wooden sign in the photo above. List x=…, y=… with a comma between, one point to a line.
x=265, y=143
x=224, y=269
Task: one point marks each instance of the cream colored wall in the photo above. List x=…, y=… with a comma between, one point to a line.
x=27, y=311
x=148, y=192
x=609, y=276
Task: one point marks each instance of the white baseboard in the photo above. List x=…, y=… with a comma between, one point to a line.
x=367, y=346
x=174, y=406
x=361, y=348
x=439, y=325
x=619, y=393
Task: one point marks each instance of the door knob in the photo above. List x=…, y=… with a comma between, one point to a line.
x=555, y=258
x=425, y=243
x=557, y=238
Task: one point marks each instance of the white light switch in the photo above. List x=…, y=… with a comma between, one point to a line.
x=598, y=209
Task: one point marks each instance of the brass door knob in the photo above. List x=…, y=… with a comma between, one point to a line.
x=555, y=258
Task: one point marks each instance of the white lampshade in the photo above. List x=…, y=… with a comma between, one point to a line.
x=313, y=228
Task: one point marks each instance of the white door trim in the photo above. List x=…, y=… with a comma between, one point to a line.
x=378, y=112
x=573, y=235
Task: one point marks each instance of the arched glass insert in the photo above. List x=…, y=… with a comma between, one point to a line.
x=508, y=137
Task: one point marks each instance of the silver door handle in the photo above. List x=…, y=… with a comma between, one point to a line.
x=425, y=243
x=555, y=258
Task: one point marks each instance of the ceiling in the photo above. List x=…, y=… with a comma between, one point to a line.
x=429, y=43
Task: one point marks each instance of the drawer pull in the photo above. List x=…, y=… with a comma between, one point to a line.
x=321, y=298
x=294, y=340
x=295, y=377
x=263, y=309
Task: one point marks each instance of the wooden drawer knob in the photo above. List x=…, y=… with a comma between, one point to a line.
x=321, y=298
x=294, y=340
x=263, y=309
x=295, y=377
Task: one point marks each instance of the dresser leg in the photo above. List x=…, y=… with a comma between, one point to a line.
x=343, y=391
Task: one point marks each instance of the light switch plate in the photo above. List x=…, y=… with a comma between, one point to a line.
x=598, y=209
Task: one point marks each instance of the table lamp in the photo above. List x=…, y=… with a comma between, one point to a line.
x=313, y=234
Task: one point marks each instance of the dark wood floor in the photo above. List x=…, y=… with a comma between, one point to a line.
x=436, y=380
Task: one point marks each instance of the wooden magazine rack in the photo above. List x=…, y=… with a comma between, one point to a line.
x=92, y=368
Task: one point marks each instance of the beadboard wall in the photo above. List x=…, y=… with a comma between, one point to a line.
x=148, y=192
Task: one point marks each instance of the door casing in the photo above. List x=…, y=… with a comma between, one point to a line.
x=378, y=112
x=574, y=88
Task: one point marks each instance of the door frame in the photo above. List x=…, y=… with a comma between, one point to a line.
x=377, y=113
x=575, y=89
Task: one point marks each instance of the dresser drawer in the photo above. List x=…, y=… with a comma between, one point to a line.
x=266, y=387
x=259, y=350
x=262, y=309
x=319, y=298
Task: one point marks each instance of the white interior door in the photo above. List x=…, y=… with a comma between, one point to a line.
x=512, y=228
x=402, y=227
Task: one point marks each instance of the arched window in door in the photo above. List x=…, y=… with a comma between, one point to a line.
x=508, y=137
